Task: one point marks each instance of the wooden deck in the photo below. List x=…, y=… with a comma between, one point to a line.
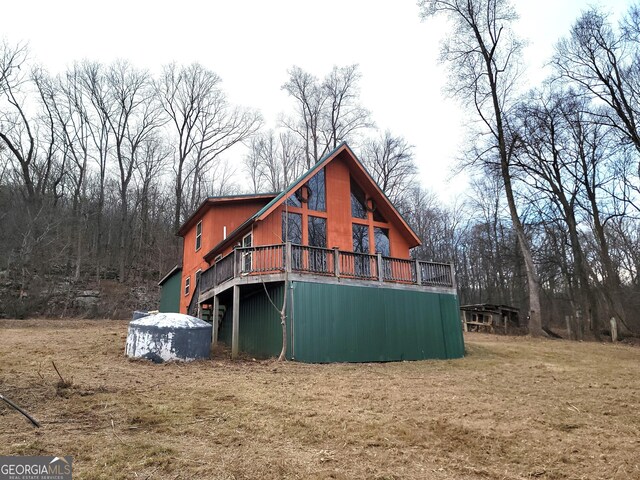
x=271, y=263
x=277, y=263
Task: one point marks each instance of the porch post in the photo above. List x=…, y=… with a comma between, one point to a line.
x=380, y=269
x=235, y=321
x=453, y=276
x=215, y=314
x=418, y=273
x=235, y=262
x=287, y=257
x=336, y=261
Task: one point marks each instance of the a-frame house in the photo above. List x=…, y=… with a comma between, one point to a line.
x=336, y=246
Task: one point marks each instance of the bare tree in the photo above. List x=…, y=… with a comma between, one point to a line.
x=482, y=54
x=327, y=112
x=344, y=115
x=134, y=117
x=204, y=126
x=605, y=64
x=306, y=123
x=390, y=162
x=273, y=161
x=548, y=154
x=16, y=130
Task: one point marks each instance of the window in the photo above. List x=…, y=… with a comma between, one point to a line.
x=198, y=235
x=377, y=216
x=187, y=285
x=317, y=232
x=292, y=227
x=360, y=238
x=198, y=273
x=318, y=261
x=316, y=192
x=381, y=236
x=295, y=199
x=247, y=241
x=312, y=193
x=361, y=263
x=358, y=206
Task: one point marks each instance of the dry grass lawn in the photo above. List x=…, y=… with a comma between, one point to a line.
x=513, y=408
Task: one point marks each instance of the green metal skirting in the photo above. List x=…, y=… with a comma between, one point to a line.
x=260, y=333
x=341, y=323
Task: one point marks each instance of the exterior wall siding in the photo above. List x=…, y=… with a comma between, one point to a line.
x=230, y=214
x=340, y=323
x=170, y=294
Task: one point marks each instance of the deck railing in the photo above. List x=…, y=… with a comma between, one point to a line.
x=358, y=265
x=270, y=259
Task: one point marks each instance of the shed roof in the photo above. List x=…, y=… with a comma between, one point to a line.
x=174, y=270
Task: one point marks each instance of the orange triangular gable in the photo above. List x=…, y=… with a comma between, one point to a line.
x=364, y=179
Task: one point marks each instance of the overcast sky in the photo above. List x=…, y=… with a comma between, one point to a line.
x=252, y=43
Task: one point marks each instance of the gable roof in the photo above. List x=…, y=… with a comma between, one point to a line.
x=186, y=226
x=362, y=175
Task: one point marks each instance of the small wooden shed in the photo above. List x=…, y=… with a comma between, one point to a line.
x=489, y=316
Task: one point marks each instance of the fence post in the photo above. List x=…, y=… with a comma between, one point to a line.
x=336, y=262
x=287, y=257
x=380, y=268
x=215, y=275
x=418, y=272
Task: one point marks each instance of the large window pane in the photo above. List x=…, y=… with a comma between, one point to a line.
x=294, y=199
x=360, y=238
x=317, y=232
x=317, y=195
x=361, y=264
x=377, y=216
x=292, y=227
x=358, y=209
x=381, y=236
x=318, y=259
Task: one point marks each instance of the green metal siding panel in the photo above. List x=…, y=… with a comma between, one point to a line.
x=340, y=323
x=170, y=295
x=260, y=332
x=452, y=324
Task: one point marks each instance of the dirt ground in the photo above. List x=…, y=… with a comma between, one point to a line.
x=513, y=408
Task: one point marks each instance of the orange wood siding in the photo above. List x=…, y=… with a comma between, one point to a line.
x=228, y=213
x=339, y=232
x=269, y=231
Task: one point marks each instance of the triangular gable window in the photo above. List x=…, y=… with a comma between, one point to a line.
x=313, y=193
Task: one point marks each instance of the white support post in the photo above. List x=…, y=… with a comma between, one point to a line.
x=336, y=262
x=235, y=321
x=380, y=267
x=418, y=272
